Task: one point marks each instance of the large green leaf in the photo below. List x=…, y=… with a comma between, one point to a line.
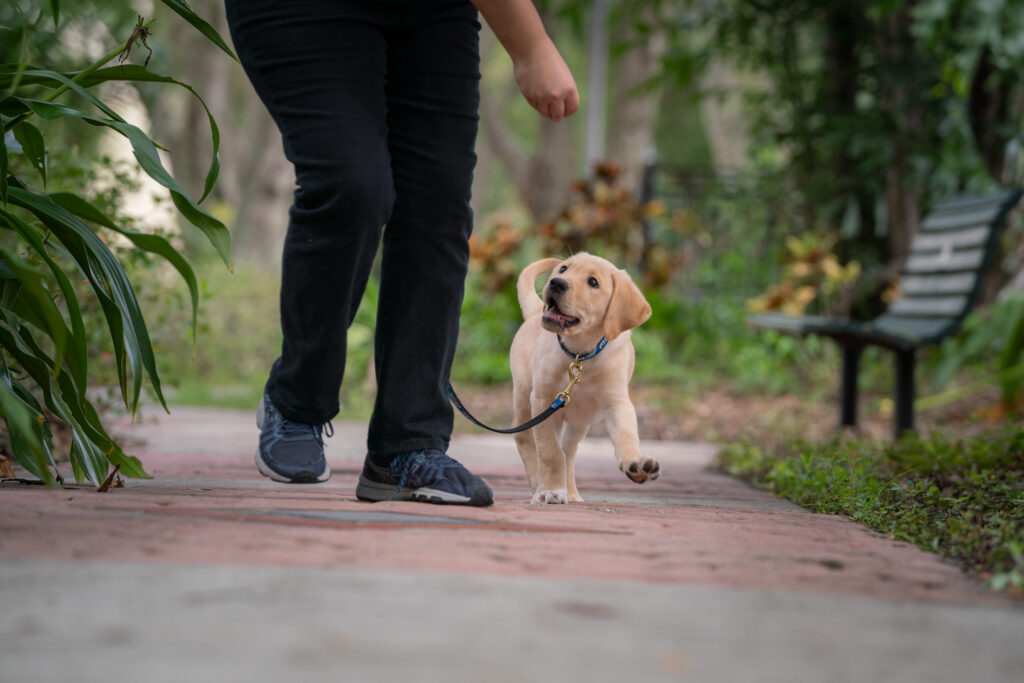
x=77, y=357
x=12, y=108
x=3, y=167
x=29, y=298
x=128, y=72
x=27, y=443
x=109, y=282
x=100, y=445
x=19, y=345
x=55, y=11
x=1012, y=355
x=117, y=300
x=151, y=243
x=191, y=17
x=92, y=448
x=146, y=154
x=29, y=399
x=22, y=62
x=135, y=73
x=130, y=465
x=47, y=77
x=33, y=146
x=10, y=76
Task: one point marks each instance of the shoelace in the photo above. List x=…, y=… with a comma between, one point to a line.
x=287, y=426
x=430, y=463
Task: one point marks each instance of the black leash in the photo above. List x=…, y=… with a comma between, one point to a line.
x=561, y=400
x=555, y=406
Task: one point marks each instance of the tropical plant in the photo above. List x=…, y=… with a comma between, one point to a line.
x=54, y=255
x=604, y=218
x=812, y=273
x=991, y=336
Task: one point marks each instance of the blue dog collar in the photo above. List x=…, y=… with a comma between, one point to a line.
x=600, y=346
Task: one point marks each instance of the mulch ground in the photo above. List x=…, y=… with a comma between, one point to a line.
x=725, y=415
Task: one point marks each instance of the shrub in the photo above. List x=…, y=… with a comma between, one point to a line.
x=55, y=262
x=963, y=499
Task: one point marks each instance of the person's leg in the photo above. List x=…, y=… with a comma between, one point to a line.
x=432, y=96
x=433, y=79
x=319, y=66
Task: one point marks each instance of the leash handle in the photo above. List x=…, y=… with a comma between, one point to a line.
x=555, y=406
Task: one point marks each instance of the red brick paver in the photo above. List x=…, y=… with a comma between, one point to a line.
x=207, y=504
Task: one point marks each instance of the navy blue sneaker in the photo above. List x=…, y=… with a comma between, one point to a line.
x=291, y=452
x=429, y=476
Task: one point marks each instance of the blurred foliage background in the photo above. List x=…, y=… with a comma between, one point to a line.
x=732, y=154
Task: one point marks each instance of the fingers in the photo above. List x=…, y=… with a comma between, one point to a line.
x=556, y=110
x=572, y=103
x=556, y=107
x=547, y=84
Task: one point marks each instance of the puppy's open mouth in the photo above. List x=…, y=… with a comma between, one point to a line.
x=553, y=314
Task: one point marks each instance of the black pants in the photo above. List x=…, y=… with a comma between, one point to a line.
x=377, y=104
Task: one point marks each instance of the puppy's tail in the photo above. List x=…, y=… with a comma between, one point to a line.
x=528, y=300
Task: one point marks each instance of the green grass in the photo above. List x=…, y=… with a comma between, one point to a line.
x=963, y=499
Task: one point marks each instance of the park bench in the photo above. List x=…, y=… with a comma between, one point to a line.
x=939, y=284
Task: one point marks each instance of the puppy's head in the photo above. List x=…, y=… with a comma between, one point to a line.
x=586, y=295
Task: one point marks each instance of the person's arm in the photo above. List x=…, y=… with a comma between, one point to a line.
x=541, y=73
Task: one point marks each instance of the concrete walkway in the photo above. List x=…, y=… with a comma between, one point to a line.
x=210, y=572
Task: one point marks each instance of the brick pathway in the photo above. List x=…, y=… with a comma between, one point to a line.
x=691, y=533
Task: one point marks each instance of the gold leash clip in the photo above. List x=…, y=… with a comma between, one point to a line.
x=575, y=377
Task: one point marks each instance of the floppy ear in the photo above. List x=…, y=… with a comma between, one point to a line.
x=628, y=307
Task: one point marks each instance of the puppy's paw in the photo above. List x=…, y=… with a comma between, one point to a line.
x=575, y=497
x=553, y=496
x=641, y=469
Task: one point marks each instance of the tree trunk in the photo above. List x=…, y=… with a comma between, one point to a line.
x=902, y=200
x=846, y=27
x=551, y=170
x=598, y=56
x=266, y=193
x=902, y=193
x=255, y=178
x=543, y=177
x=722, y=117
x=635, y=104
x=182, y=123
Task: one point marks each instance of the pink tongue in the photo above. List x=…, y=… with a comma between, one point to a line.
x=552, y=314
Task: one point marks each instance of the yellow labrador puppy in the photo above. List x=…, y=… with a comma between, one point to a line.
x=585, y=300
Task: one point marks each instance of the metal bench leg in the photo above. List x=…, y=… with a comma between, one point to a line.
x=848, y=389
x=903, y=417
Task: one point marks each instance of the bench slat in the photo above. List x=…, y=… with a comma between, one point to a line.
x=781, y=322
x=959, y=239
x=933, y=306
x=939, y=280
x=914, y=329
x=967, y=202
x=954, y=220
x=958, y=283
x=969, y=259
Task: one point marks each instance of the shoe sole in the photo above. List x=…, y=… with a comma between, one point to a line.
x=300, y=479
x=375, y=492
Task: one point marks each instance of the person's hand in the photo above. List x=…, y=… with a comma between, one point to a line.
x=546, y=82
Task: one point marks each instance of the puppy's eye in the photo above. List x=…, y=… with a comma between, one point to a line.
x=563, y=269
x=593, y=282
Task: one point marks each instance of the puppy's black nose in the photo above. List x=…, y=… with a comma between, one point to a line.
x=558, y=285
